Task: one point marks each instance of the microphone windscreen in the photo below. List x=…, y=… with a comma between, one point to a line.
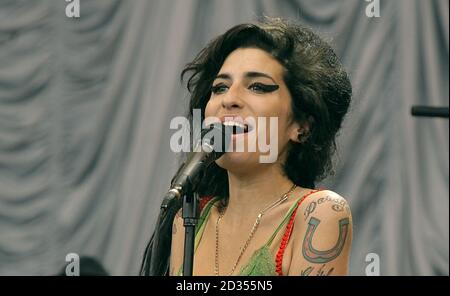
x=216, y=139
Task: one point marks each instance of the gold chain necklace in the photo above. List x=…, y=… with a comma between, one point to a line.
x=252, y=232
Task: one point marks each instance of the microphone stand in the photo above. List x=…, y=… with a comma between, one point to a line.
x=428, y=111
x=190, y=208
x=185, y=183
x=190, y=220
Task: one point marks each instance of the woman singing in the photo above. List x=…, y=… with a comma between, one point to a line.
x=267, y=217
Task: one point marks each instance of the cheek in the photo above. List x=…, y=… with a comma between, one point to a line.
x=212, y=107
x=208, y=109
x=284, y=125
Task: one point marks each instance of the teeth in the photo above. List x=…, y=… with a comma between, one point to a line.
x=234, y=123
x=236, y=127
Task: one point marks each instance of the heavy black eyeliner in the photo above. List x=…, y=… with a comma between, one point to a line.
x=265, y=87
x=216, y=87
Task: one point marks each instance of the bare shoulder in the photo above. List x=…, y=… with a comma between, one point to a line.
x=325, y=204
x=322, y=236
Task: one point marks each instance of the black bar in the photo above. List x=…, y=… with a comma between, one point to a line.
x=190, y=222
x=427, y=111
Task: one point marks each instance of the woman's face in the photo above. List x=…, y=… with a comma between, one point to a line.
x=250, y=86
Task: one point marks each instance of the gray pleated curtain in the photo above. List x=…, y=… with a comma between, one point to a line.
x=85, y=106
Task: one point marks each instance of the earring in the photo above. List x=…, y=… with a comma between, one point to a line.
x=302, y=137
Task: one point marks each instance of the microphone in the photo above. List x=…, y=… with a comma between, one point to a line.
x=428, y=111
x=212, y=145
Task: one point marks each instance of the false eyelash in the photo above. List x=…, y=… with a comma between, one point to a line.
x=265, y=87
x=215, y=88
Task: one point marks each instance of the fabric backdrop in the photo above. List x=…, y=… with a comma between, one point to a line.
x=85, y=106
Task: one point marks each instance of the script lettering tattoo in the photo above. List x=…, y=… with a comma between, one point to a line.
x=307, y=271
x=310, y=209
x=341, y=206
x=338, y=205
x=323, y=256
x=322, y=272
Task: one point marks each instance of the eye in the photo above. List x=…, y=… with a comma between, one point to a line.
x=258, y=87
x=219, y=89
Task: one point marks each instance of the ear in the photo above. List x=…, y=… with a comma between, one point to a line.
x=299, y=133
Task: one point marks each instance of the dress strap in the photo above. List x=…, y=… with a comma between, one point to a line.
x=287, y=216
x=201, y=221
x=287, y=233
x=205, y=211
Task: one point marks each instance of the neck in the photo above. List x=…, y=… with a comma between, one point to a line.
x=250, y=194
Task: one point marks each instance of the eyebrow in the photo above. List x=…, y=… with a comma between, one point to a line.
x=246, y=75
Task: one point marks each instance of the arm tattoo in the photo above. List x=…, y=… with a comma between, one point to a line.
x=310, y=209
x=337, y=208
x=316, y=256
x=322, y=272
x=338, y=205
x=307, y=271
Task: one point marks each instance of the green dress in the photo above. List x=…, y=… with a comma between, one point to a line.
x=262, y=262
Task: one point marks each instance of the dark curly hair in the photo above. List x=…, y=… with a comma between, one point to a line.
x=321, y=94
x=319, y=86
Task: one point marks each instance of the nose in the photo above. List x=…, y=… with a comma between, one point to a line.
x=232, y=99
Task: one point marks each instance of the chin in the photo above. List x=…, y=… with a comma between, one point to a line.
x=238, y=161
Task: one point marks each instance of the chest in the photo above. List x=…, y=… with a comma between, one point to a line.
x=228, y=248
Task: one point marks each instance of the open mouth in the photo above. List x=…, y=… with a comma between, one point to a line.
x=237, y=127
